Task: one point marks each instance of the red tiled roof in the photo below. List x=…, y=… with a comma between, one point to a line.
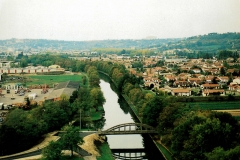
x=210, y=85
x=180, y=90
x=213, y=90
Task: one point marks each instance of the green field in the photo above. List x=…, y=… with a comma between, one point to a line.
x=51, y=79
x=105, y=152
x=215, y=105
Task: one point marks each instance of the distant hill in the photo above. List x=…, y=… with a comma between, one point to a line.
x=211, y=42
x=42, y=44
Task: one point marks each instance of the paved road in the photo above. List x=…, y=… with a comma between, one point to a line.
x=36, y=150
x=12, y=98
x=34, y=153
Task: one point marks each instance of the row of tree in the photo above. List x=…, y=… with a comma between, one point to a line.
x=224, y=54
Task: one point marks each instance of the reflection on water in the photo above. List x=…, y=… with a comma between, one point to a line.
x=114, y=115
x=118, y=112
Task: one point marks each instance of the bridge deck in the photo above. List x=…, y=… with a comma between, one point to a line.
x=127, y=132
x=127, y=150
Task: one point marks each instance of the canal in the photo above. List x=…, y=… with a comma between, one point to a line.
x=117, y=112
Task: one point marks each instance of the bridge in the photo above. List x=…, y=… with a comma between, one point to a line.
x=129, y=153
x=129, y=128
x=126, y=128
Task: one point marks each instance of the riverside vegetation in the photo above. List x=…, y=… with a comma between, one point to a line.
x=24, y=128
x=188, y=132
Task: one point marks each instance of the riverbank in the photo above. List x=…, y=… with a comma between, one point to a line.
x=163, y=149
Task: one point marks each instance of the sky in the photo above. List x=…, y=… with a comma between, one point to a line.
x=80, y=20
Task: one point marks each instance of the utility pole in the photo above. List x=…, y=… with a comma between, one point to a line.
x=80, y=119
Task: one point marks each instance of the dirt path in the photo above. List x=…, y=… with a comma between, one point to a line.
x=90, y=158
x=233, y=112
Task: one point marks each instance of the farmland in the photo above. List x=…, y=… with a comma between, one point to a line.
x=50, y=80
x=215, y=105
x=231, y=107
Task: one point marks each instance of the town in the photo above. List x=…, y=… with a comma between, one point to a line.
x=186, y=74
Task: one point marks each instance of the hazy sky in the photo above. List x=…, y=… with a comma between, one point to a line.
x=116, y=19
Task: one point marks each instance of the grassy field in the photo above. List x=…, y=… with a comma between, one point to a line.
x=52, y=79
x=231, y=107
x=215, y=105
x=165, y=152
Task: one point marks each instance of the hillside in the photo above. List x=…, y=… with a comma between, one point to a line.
x=42, y=44
x=211, y=42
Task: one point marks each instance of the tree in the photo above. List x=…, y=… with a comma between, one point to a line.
x=19, y=56
x=220, y=153
x=84, y=80
x=97, y=97
x=222, y=71
x=203, y=131
x=215, y=80
x=93, y=76
x=73, y=96
x=168, y=116
x=23, y=63
x=71, y=137
x=53, y=151
x=54, y=115
x=20, y=129
x=64, y=104
x=135, y=95
x=152, y=110
x=122, y=52
x=83, y=99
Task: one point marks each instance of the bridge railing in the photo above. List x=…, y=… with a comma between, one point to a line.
x=129, y=128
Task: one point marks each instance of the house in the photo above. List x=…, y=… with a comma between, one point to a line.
x=156, y=80
x=170, y=78
x=158, y=70
x=183, y=83
x=194, y=81
x=5, y=64
x=54, y=66
x=147, y=79
x=209, y=79
x=181, y=92
x=233, y=86
x=236, y=80
x=230, y=70
x=209, y=86
x=183, y=76
x=213, y=71
x=223, y=79
x=152, y=82
x=196, y=70
x=213, y=92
